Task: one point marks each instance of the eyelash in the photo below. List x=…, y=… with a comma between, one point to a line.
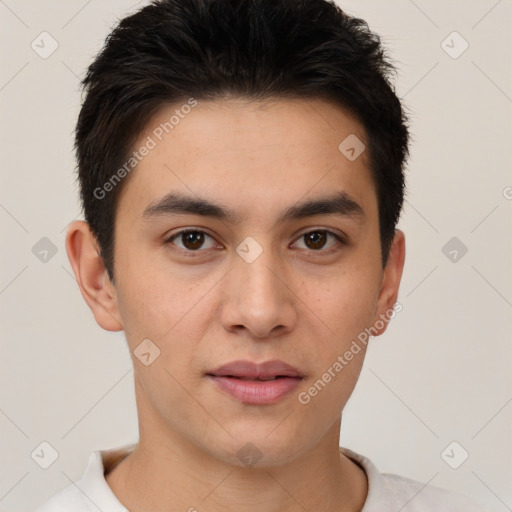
x=189, y=252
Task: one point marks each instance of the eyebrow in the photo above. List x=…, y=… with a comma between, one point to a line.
x=340, y=204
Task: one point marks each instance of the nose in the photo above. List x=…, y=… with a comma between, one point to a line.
x=258, y=299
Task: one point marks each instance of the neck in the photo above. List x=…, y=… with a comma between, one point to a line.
x=167, y=473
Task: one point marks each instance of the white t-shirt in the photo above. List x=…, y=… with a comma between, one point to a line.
x=386, y=492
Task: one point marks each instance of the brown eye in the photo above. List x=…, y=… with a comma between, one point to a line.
x=191, y=240
x=316, y=240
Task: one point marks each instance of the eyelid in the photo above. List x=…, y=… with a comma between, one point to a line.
x=169, y=239
x=340, y=237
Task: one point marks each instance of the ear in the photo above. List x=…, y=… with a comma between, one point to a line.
x=390, y=283
x=95, y=285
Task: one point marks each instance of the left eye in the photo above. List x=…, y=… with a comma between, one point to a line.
x=315, y=240
x=192, y=240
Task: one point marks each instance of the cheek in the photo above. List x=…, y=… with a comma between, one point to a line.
x=345, y=308
x=346, y=303
x=161, y=304
x=145, y=307
x=337, y=355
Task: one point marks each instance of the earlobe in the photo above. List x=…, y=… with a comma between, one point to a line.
x=390, y=283
x=92, y=278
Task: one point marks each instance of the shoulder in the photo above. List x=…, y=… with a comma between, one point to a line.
x=389, y=493
x=69, y=498
x=415, y=496
x=91, y=492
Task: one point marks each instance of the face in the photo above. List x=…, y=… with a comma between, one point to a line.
x=256, y=275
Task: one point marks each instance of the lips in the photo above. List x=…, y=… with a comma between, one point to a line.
x=256, y=384
x=247, y=370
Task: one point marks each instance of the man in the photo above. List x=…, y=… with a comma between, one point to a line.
x=241, y=173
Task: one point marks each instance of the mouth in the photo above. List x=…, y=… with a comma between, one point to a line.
x=249, y=370
x=261, y=379
x=257, y=384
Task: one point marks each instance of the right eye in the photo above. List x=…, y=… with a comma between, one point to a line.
x=191, y=239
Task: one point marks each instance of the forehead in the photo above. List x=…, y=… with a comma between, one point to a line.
x=254, y=156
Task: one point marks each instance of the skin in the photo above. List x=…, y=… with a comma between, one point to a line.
x=295, y=302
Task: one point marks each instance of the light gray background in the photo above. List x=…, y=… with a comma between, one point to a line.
x=442, y=371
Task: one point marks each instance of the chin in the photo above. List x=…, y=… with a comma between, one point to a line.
x=258, y=449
